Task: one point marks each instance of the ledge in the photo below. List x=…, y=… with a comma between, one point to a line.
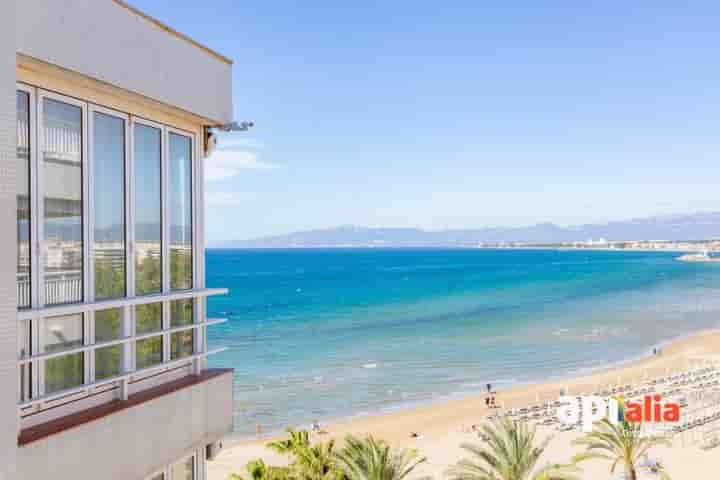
x=53, y=427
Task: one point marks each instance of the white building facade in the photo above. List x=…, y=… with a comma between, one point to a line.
x=104, y=119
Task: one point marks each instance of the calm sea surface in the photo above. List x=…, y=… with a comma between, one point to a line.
x=327, y=334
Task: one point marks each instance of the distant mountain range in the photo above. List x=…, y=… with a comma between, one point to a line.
x=698, y=226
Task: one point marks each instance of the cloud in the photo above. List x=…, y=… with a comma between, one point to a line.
x=227, y=199
x=224, y=164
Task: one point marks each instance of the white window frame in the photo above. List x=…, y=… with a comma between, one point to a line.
x=39, y=311
x=41, y=351
x=163, y=179
x=92, y=109
x=40, y=211
x=193, y=216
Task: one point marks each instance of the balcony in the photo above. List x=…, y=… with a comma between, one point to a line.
x=150, y=428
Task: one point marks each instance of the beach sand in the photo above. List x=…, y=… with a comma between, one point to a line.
x=442, y=427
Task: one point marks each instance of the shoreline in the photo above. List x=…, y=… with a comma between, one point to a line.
x=442, y=426
x=570, y=377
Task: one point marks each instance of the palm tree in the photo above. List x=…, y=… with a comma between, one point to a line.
x=258, y=470
x=620, y=443
x=371, y=459
x=310, y=462
x=510, y=454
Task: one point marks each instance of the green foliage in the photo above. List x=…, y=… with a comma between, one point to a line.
x=148, y=275
x=371, y=459
x=621, y=444
x=310, y=462
x=510, y=454
x=109, y=280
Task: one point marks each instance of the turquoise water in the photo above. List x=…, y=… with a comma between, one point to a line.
x=327, y=334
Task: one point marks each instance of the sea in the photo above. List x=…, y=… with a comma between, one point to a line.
x=328, y=334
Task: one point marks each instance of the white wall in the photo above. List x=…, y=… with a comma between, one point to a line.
x=8, y=300
x=103, y=40
x=136, y=442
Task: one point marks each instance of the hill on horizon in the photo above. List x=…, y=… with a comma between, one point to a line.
x=698, y=226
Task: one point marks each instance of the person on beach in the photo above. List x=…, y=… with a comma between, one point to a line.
x=489, y=387
x=487, y=402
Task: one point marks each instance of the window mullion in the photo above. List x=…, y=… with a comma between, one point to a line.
x=129, y=208
x=165, y=217
x=88, y=208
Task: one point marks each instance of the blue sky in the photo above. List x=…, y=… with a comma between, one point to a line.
x=462, y=113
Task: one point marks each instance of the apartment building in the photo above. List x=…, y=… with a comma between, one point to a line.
x=105, y=118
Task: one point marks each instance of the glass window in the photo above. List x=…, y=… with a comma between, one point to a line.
x=181, y=343
x=148, y=217
x=148, y=352
x=108, y=185
x=24, y=337
x=23, y=199
x=180, y=211
x=148, y=318
x=184, y=470
x=108, y=326
x=62, y=193
x=62, y=333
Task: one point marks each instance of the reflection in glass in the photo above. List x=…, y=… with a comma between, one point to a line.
x=109, y=205
x=148, y=318
x=180, y=205
x=148, y=352
x=23, y=199
x=184, y=470
x=181, y=343
x=148, y=218
x=108, y=326
x=24, y=338
x=62, y=193
x=63, y=333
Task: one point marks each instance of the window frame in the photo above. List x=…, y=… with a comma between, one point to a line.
x=41, y=363
x=130, y=174
x=39, y=311
x=42, y=95
x=194, y=223
x=92, y=109
x=33, y=192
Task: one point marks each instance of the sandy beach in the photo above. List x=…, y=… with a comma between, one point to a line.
x=442, y=427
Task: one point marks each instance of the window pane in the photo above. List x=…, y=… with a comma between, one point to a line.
x=24, y=351
x=62, y=333
x=108, y=361
x=182, y=344
x=62, y=184
x=23, y=199
x=148, y=318
x=109, y=205
x=148, y=219
x=108, y=324
x=184, y=470
x=64, y=372
x=180, y=205
x=181, y=313
x=148, y=352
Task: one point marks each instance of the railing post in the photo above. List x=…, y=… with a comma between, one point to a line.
x=124, y=389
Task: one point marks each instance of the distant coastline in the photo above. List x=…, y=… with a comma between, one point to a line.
x=691, y=232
